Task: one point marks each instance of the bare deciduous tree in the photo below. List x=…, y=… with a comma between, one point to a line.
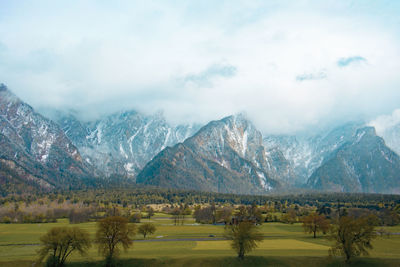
x=60, y=242
x=352, y=237
x=244, y=236
x=315, y=223
x=147, y=229
x=113, y=232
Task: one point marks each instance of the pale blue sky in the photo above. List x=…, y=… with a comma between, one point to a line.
x=290, y=65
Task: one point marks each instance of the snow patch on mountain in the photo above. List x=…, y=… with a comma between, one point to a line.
x=122, y=143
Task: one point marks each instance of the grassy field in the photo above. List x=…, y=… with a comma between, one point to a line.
x=284, y=245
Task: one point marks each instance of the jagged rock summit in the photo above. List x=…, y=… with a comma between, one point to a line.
x=122, y=143
x=224, y=156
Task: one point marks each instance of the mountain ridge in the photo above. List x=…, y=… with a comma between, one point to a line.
x=365, y=164
x=123, y=142
x=36, y=146
x=229, y=155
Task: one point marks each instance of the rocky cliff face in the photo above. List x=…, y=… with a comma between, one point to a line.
x=223, y=156
x=37, y=145
x=19, y=172
x=306, y=153
x=230, y=155
x=364, y=164
x=122, y=143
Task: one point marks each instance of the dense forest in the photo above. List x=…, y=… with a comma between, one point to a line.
x=153, y=195
x=92, y=204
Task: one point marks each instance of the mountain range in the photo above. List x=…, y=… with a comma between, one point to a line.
x=228, y=155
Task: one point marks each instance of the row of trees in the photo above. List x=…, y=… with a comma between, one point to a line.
x=139, y=196
x=225, y=214
x=84, y=205
x=351, y=236
x=113, y=233
x=212, y=214
x=76, y=212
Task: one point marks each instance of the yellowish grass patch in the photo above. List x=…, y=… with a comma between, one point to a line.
x=279, y=244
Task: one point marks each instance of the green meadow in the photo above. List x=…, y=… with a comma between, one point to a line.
x=194, y=244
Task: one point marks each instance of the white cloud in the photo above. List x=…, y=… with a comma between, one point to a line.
x=388, y=127
x=202, y=61
x=386, y=122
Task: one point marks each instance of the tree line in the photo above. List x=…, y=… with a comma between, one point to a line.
x=78, y=208
x=113, y=234
x=139, y=196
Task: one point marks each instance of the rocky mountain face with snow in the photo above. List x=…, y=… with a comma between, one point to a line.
x=228, y=155
x=224, y=156
x=34, y=149
x=122, y=143
x=364, y=164
x=305, y=153
x=349, y=158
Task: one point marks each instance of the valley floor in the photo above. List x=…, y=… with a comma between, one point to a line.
x=192, y=244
